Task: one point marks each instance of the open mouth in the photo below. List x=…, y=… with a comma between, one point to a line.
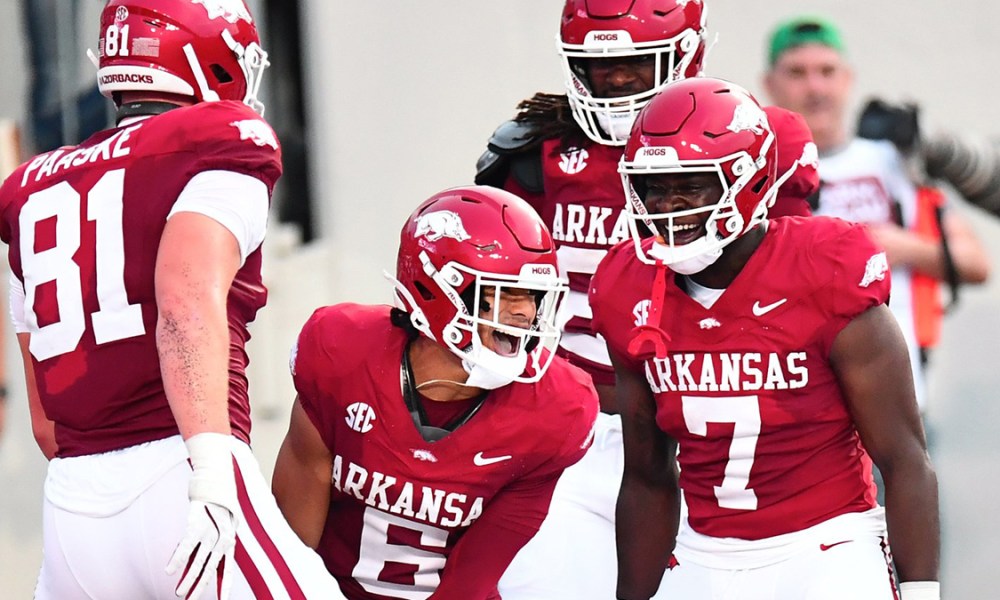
x=505, y=344
x=682, y=233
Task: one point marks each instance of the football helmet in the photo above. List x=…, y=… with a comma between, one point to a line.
x=205, y=49
x=462, y=242
x=700, y=125
x=798, y=157
x=671, y=31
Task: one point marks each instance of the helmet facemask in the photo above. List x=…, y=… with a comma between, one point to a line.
x=529, y=351
x=725, y=222
x=609, y=120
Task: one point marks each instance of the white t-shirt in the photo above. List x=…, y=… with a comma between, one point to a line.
x=866, y=182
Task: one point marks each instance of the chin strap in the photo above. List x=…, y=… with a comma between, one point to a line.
x=650, y=333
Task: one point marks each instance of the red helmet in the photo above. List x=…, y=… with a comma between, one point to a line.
x=461, y=241
x=701, y=125
x=672, y=31
x=206, y=49
x=798, y=162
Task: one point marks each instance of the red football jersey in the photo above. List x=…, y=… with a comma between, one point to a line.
x=767, y=445
x=84, y=225
x=403, y=508
x=583, y=205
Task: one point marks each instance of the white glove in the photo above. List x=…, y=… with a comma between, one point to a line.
x=210, y=540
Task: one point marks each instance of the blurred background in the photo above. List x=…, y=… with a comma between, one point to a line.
x=380, y=104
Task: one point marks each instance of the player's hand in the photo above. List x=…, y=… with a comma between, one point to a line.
x=207, y=549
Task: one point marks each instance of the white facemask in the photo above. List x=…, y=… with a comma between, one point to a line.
x=617, y=125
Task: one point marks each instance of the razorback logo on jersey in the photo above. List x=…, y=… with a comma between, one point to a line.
x=810, y=155
x=256, y=131
x=230, y=10
x=875, y=270
x=709, y=323
x=440, y=224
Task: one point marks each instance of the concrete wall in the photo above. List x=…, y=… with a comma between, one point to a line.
x=403, y=96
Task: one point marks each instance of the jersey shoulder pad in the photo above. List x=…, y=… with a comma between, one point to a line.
x=227, y=136
x=512, y=150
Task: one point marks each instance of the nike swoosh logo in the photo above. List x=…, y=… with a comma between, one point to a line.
x=481, y=461
x=760, y=311
x=825, y=547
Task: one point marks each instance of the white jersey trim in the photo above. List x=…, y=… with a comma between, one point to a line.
x=15, y=303
x=238, y=202
x=594, y=349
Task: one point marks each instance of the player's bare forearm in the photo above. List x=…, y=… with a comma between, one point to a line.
x=196, y=263
x=193, y=343
x=646, y=530
x=648, y=507
x=301, y=479
x=911, y=499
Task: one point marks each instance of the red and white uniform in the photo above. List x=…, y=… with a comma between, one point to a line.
x=409, y=518
x=583, y=206
x=747, y=389
x=772, y=469
x=90, y=218
x=83, y=226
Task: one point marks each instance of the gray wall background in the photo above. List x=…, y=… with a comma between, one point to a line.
x=403, y=95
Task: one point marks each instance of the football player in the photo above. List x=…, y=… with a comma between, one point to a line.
x=763, y=351
x=136, y=267
x=561, y=153
x=426, y=440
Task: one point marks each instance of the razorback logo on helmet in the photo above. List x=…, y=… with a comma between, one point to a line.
x=230, y=10
x=875, y=270
x=441, y=224
x=256, y=131
x=748, y=116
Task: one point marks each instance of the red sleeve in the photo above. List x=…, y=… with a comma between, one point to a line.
x=309, y=372
x=230, y=136
x=858, y=271
x=490, y=544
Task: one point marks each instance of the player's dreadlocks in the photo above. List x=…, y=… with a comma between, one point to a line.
x=550, y=117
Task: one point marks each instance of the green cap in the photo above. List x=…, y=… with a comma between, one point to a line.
x=803, y=30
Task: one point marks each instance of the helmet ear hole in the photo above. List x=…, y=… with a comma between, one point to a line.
x=221, y=74
x=425, y=293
